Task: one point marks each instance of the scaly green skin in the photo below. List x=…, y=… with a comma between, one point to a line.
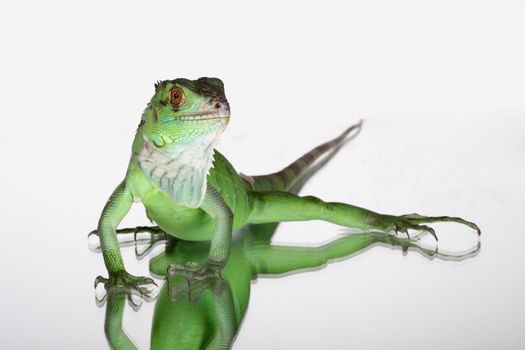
x=178, y=129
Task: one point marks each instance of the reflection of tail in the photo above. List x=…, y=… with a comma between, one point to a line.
x=283, y=180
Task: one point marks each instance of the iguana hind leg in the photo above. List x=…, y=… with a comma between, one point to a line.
x=276, y=206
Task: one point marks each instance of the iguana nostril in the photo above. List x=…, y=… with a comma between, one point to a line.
x=217, y=105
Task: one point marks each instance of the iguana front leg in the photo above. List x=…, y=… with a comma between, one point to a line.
x=276, y=206
x=114, y=211
x=215, y=206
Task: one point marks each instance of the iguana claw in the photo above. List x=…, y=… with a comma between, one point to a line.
x=415, y=222
x=123, y=282
x=417, y=219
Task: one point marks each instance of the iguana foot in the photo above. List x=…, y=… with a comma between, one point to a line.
x=123, y=282
x=178, y=290
x=415, y=222
x=192, y=271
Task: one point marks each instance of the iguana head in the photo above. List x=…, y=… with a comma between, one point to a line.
x=179, y=130
x=185, y=111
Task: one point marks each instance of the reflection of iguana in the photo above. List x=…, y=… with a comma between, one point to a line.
x=171, y=173
x=208, y=314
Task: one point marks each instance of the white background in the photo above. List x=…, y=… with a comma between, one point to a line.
x=440, y=85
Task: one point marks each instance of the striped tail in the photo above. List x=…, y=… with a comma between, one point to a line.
x=286, y=178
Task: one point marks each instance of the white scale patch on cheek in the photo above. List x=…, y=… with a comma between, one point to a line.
x=182, y=170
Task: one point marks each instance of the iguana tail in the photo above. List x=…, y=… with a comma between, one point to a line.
x=283, y=180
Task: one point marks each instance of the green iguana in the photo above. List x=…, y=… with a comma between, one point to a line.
x=192, y=192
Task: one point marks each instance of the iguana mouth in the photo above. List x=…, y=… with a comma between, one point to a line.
x=198, y=116
x=204, y=116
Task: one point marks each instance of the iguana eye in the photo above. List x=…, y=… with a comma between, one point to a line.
x=176, y=96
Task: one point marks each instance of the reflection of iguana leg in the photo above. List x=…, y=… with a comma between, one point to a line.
x=276, y=206
x=156, y=235
x=133, y=235
x=226, y=322
x=267, y=259
x=116, y=336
